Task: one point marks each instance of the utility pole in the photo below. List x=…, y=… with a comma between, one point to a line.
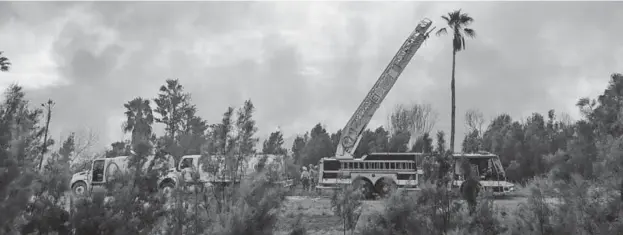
x=44, y=148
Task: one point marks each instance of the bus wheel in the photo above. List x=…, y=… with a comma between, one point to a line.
x=386, y=187
x=364, y=187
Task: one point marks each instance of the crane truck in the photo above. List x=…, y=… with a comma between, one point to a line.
x=375, y=173
x=382, y=173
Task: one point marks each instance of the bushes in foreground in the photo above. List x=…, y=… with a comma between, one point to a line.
x=553, y=207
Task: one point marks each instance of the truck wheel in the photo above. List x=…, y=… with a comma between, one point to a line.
x=167, y=188
x=79, y=188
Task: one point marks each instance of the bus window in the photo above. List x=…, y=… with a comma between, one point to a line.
x=331, y=165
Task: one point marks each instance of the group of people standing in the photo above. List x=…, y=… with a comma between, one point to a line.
x=309, y=177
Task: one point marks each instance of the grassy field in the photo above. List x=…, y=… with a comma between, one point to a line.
x=318, y=218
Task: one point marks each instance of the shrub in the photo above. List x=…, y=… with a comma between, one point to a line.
x=578, y=206
x=346, y=204
x=430, y=212
x=297, y=227
x=252, y=210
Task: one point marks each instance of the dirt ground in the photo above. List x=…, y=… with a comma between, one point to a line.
x=318, y=218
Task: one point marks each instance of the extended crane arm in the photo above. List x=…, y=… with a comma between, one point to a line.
x=352, y=132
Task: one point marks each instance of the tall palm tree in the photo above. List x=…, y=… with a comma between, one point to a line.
x=457, y=22
x=139, y=119
x=5, y=64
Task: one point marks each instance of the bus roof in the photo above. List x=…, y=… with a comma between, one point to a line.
x=474, y=155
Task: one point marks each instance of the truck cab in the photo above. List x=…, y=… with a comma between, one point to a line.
x=194, y=164
x=102, y=171
x=187, y=165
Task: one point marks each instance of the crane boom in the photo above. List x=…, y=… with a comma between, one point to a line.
x=352, y=132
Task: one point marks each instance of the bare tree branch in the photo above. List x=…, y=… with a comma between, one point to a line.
x=474, y=119
x=85, y=139
x=416, y=119
x=423, y=118
x=565, y=119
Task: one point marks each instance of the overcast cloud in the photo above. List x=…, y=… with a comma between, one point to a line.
x=304, y=62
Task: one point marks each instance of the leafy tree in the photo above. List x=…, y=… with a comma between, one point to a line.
x=18, y=133
x=246, y=128
x=559, y=132
x=273, y=145
x=245, y=139
x=376, y=141
x=139, y=120
x=398, y=142
x=15, y=111
x=68, y=147
x=298, y=147
x=66, y=152
x=457, y=22
x=171, y=105
x=423, y=144
x=222, y=135
x=318, y=146
x=5, y=64
x=472, y=142
x=441, y=143
x=536, y=146
x=335, y=140
x=381, y=140
x=193, y=134
x=366, y=145
x=606, y=113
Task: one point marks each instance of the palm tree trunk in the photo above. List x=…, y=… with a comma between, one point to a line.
x=452, y=88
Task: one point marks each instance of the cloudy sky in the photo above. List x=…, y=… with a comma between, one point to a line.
x=303, y=62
